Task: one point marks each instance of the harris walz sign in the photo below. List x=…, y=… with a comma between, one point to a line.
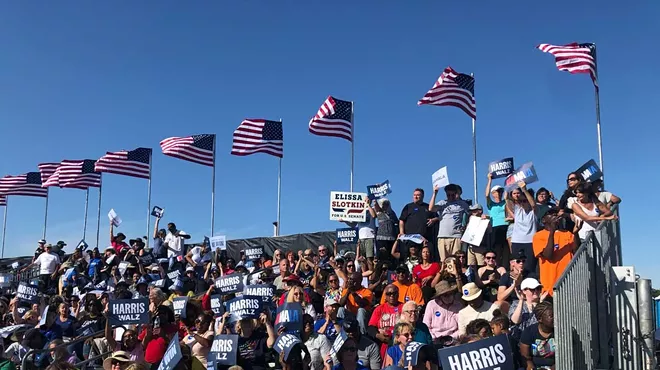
x=492, y=353
x=379, y=190
x=502, y=168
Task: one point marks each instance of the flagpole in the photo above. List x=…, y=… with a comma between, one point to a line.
x=149, y=201
x=46, y=214
x=279, y=191
x=4, y=227
x=352, y=143
x=474, y=155
x=86, y=208
x=213, y=190
x=600, y=142
x=98, y=215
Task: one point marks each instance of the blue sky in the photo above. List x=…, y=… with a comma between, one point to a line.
x=78, y=79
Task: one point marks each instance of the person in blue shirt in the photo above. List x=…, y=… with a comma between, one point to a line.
x=330, y=325
x=94, y=263
x=347, y=358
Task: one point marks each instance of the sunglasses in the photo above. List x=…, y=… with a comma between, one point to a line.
x=390, y=293
x=520, y=261
x=571, y=179
x=350, y=266
x=489, y=258
x=321, y=250
x=116, y=363
x=332, y=281
x=350, y=349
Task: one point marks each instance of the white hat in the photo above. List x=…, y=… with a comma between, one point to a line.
x=471, y=292
x=190, y=268
x=530, y=283
x=184, y=234
x=496, y=188
x=330, y=302
x=41, y=241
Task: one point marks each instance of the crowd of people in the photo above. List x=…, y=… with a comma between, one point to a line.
x=388, y=291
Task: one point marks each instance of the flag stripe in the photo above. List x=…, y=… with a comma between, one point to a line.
x=334, y=118
x=574, y=58
x=452, y=89
x=47, y=170
x=197, y=148
x=28, y=184
x=258, y=136
x=134, y=163
x=3, y=200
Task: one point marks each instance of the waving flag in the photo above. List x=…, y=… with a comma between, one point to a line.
x=134, y=163
x=28, y=184
x=258, y=136
x=3, y=200
x=47, y=170
x=452, y=89
x=574, y=58
x=196, y=148
x=78, y=174
x=334, y=118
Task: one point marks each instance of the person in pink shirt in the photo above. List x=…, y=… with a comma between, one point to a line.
x=117, y=241
x=441, y=314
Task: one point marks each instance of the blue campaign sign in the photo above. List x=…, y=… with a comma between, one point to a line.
x=285, y=343
x=525, y=173
x=338, y=343
x=232, y=283
x=244, y=307
x=411, y=353
x=415, y=238
x=492, y=353
x=347, y=235
x=179, y=306
x=289, y=316
x=379, y=190
x=216, y=305
x=128, y=311
x=254, y=253
x=27, y=293
x=265, y=291
x=590, y=171
x=172, y=355
x=157, y=212
x=223, y=350
x=502, y=168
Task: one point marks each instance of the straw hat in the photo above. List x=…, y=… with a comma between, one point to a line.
x=123, y=357
x=443, y=287
x=471, y=292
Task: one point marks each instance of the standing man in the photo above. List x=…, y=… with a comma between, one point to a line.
x=366, y=234
x=452, y=215
x=415, y=218
x=174, y=242
x=158, y=250
x=48, y=264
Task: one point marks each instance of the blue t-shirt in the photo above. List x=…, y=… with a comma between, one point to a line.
x=330, y=331
x=93, y=266
x=66, y=326
x=69, y=277
x=497, y=213
x=157, y=249
x=395, y=354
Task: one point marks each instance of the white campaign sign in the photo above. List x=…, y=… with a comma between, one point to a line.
x=348, y=206
x=440, y=178
x=475, y=230
x=219, y=241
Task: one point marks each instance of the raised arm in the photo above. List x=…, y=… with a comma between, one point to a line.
x=432, y=201
x=488, y=184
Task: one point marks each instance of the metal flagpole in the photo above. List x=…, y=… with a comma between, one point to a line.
x=352, y=143
x=600, y=142
x=98, y=215
x=149, y=203
x=474, y=155
x=46, y=214
x=86, y=207
x=213, y=190
x=279, y=191
x=4, y=227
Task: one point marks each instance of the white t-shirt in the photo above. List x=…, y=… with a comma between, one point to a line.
x=197, y=255
x=175, y=243
x=47, y=263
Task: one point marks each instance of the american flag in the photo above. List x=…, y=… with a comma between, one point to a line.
x=334, y=118
x=134, y=163
x=574, y=58
x=78, y=174
x=47, y=170
x=28, y=184
x=454, y=89
x=258, y=136
x=196, y=148
x=3, y=200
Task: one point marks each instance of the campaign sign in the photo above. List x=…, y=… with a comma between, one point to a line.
x=5, y=280
x=501, y=168
x=525, y=173
x=82, y=245
x=492, y=353
x=27, y=293
x=254, y=253
x=415, y=238
x=289, y=316
x=179, y=306
x=265, y=291
x=440, y=178
x=379, y=190
x=174, y=274
x=244, y=307
x=347, y=235
x=285, y=343
x=411, y=353
x=216, y=305
x=128, y=311
x=172, y=355
x=348, y=206
x=223, y=349
x=158, y=283
x=338, y=343
x=146, y=259
x=157, y=212
x=232, y=283
x=590, y=171
x=219, y=241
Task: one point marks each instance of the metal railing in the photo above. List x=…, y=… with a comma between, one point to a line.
x=583, y=319
x=30, y=355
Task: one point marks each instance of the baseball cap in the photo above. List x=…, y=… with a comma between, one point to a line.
x=530, y=283
x=496, y=188
x=475, y=207
x=331, y=302
x=41, y=241
x=184, y=234
x=189, y=268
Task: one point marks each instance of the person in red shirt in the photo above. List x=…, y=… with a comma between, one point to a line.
x=424, y=273
x=156, y=336
x=117, y=242
x=385, y=317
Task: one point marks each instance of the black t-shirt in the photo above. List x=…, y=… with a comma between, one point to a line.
x=251, y=351
x=88, y=325
x=542, y=349
x=506, y=281
x=415, y=217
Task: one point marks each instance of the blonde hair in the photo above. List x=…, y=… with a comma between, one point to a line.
x=290, y=298
x=398, y=328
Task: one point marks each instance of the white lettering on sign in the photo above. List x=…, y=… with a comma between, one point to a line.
x=244, y=304
x=478, y=359
x=253, y=251
x=231, y=281
x=178, y=304
x=128, y=308
x=347, y=234
x=259, y=291
x=222, y=345
x=379, y=189
x=285, y=342
x=28, y=290
x=169, y=354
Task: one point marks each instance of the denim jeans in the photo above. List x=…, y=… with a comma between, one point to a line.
x=362, y=317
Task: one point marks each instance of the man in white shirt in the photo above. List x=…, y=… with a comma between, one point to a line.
x=476, y=307
x=174, y=242
x=48, y=264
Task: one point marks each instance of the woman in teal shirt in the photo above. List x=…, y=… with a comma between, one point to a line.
x=496, y=204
